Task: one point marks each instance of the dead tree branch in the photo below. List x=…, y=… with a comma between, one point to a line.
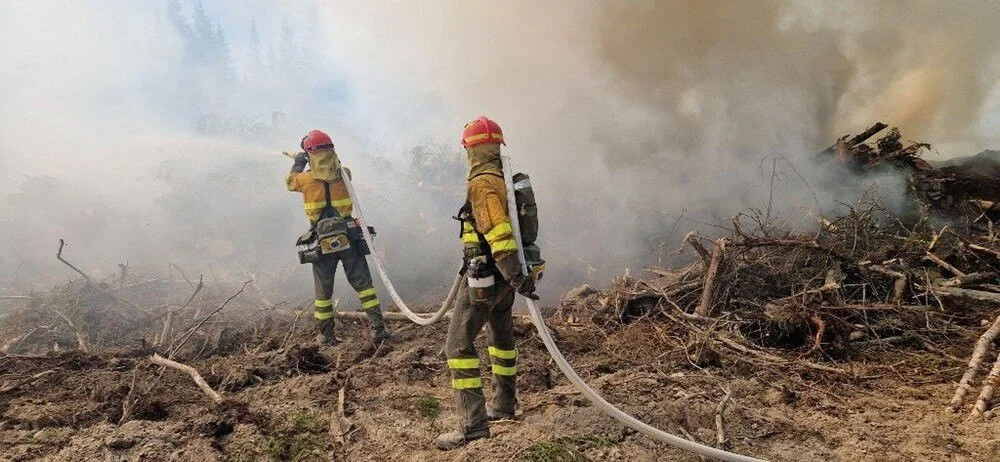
x=720, y=430
x=968, y=293
x=165, y=335
x=198, y=380
x=81, y=336
x=775, y=359
x=989, y=385
x=707, y=306
x=693, y=239
x=972, y=278
x=943, y=264
x=192, y=330
x=91, y=281
x=60, y=258
x=19, y=383
x=339, y=423
x=974, y=363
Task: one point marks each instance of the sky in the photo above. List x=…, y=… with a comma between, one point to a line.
x=151, y=131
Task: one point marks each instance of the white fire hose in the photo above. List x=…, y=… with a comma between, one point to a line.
x=363, y=224
x=543, y=332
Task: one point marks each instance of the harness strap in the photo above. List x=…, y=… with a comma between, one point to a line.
x=328, y=210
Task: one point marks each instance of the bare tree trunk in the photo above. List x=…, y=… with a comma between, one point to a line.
x=707, y=306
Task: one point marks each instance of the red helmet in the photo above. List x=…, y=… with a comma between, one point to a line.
x=481, y=130
x=316, y=140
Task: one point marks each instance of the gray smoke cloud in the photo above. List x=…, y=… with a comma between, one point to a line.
x=152, y=132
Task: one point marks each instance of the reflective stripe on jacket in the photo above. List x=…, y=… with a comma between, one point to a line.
x=487, y=195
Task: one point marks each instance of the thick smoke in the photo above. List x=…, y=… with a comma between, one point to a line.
x=151, y=132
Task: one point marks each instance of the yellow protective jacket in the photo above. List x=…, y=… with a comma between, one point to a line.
x=487, y=194
x=314, y=195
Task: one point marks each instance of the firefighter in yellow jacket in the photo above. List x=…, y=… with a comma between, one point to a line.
x=493, y=273
x=334, y=235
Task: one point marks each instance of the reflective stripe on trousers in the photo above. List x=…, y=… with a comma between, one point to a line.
x=368, y=298
x=465, y=373
x=323, y=308
x=504, y=361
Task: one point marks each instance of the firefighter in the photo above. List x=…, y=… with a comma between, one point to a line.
x=334, y=235
x=486, y=295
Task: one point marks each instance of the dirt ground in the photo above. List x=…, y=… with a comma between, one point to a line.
x=281, y=403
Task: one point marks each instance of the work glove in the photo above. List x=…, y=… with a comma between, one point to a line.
x=301, y=159
x=524, y=285
x=510, y=269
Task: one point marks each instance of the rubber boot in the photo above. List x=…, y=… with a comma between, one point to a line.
x=474, y=422
x=379, y=332
x=326, y=332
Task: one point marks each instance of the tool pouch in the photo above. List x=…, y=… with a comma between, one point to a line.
x=308, y=252
x=307, y=238
x=332, y=235
x=482, y=280
x=310, y=255
x=357, y=238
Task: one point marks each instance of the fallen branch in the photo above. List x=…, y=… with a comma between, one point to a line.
x=940, y=262
x=989, y=385
x=339, y=424
x=198, y=380
x=972, y=278
x=974, y=363
x=858, y=139
x=937, y=237
x=34, y=378
x=981, y=295
x=720, y=430
x=778, y=360
x=900, y=278
x=982, y=249
x=829, y=286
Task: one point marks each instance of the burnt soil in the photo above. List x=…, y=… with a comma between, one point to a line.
x=281, y=402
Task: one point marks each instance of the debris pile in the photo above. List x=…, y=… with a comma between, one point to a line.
x=961, y=190
x=864, y=282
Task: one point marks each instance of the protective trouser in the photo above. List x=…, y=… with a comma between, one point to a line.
x=467, y=321
x=360, y=278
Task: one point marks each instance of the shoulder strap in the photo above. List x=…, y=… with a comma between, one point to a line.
x=329, y=208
